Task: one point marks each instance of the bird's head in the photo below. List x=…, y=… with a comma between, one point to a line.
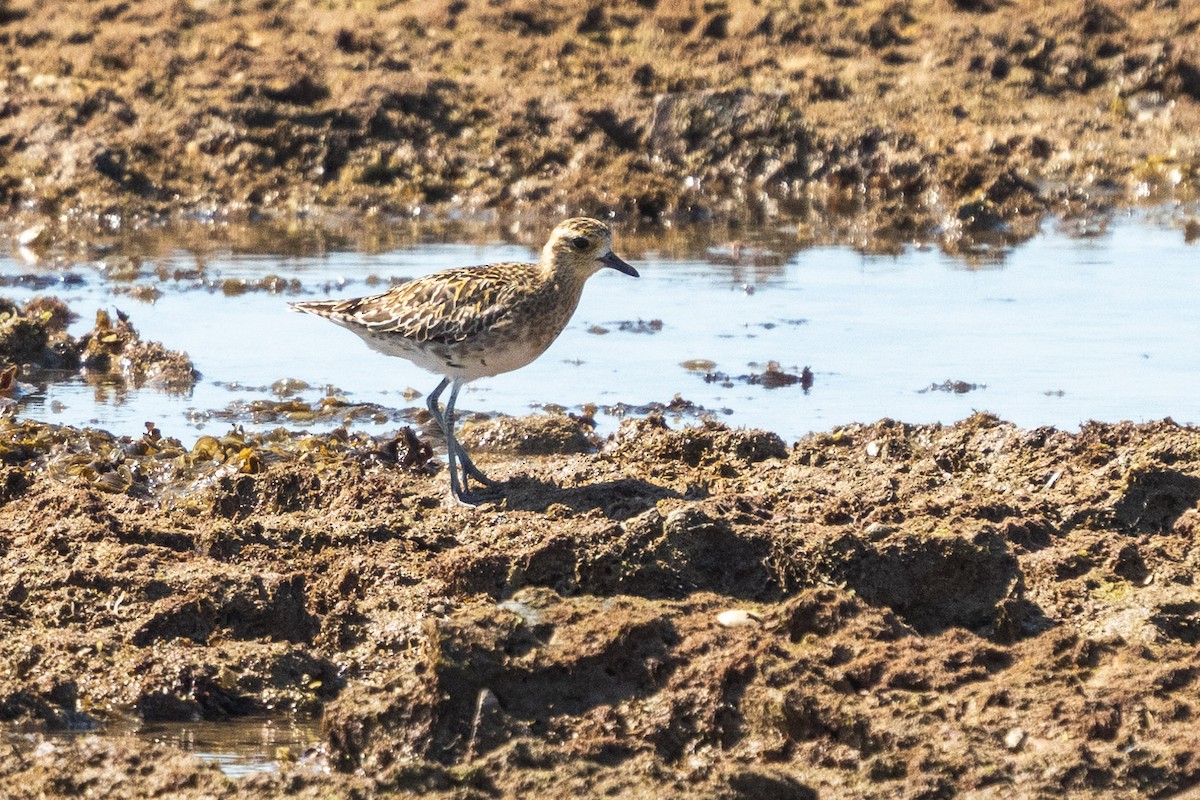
x=584, y=246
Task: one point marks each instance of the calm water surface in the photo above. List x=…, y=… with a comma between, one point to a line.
x=1056, y=331
x=239, y=747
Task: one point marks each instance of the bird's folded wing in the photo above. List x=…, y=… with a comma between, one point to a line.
x=446, y=307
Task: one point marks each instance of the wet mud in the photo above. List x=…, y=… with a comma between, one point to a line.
x=874, y=122
x=883, y=610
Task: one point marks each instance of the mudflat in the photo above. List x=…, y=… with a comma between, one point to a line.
x=884, y=610
x=879, y=121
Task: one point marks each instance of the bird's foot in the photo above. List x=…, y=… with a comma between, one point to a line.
x=471, y=498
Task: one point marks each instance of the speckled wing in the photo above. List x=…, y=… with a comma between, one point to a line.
x=447, y=307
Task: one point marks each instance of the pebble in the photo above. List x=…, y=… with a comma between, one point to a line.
x=736, y=617
x=1015, y=739
x=877, y=530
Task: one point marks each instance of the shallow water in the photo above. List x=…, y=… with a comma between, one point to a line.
x=240, y=747
x=1056, y=331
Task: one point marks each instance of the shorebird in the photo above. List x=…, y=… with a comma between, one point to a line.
x=466, y=323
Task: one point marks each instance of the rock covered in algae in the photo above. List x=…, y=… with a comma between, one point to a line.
x=114, y=348
x=35, y=336
x=535, y=435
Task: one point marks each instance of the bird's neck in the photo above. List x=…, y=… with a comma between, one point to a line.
x=563, y=277
x=564, y=286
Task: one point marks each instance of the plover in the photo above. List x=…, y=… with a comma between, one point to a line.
x=474, y=322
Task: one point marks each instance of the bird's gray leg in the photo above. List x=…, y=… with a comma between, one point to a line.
x=456, y=456
x=459, y=490
x=431, y=403
x=445, y=421
x=468, y=466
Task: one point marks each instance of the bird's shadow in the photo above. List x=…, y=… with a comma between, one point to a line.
x=617, y=499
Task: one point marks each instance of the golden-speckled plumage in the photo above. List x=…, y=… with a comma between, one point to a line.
x=472, y=322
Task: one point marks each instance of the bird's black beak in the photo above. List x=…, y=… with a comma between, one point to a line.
x=610, y=260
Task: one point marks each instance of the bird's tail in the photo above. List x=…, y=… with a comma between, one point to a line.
x=330, y=309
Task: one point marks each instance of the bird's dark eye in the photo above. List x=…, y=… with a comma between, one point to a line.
x=579, y=242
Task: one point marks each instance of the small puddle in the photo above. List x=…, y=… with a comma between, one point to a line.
x=240, y=747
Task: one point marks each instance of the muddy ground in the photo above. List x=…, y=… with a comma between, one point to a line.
x=880, y=121
x=881, y=611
